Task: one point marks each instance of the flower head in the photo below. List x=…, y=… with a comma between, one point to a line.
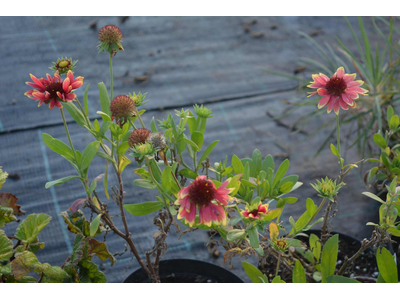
x=122, y=108
x=327, y=188
x=54, y=90
x=281, y=244
x=138, y=136
x=140, y=151
x=257, y=211
x=138, y=99
x=339, y=91
x=210, y=201
x=110, y=38
x=158, y=140
x=63, y=65
x=202, y=111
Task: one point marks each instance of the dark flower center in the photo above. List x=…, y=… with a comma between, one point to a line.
x=336, y=86
x=254, y=212
x=202, y=192
x=53, y=88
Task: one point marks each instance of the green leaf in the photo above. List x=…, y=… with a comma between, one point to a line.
x=51, y=274
x=60, y=181
x=89, y=273
x=75, y=113
x=334, y=150
x=329, y=257
x=188, y=173
x=88, y=154
x=394, y=122
x=207, y=153
x=310, y=207
x=23, y=264
x=386, y=265
x=94, y=226
x=143, y=208
x=315, y=246
x=380, y=140
x=256, y=162
x=57, y=146
x=6, y=247
x=340, y=279
x=390, y=113
x=299, y=274
x=101, y=251
x=253, y=236
x=29, y=229
x=236, y=234
x=86, y=100
x=167, y=179
x=104, y=99
x=281, y=172
x=277, y=279
x=254, y=274
x=153, y=126
x=198, y=138
x=237, y=165
x=372, y=196
x=146, y=184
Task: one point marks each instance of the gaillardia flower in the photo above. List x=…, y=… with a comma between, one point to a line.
x=327, y=188
x=211, y=201
x=138, y=136
x=339, y=91
x=122, y=108
x=256, y=212
x=110, y=38
x=63, y=65
x=54, y=90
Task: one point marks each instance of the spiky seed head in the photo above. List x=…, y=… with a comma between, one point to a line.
x=110, y=34
x=122, y=107
x=158, y=140
x=138, y=136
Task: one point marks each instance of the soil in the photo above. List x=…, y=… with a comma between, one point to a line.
x=364, y=266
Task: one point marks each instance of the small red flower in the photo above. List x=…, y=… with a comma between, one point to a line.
x=257, y=213
x=54, y=90
x=203, y=194
x=339, y=91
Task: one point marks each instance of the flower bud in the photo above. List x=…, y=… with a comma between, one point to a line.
x=138, y=136
x=110, y=38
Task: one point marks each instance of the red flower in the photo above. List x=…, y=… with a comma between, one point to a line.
x=257, y=213
x=339, y=91
x=203, y=194
x=54, y=90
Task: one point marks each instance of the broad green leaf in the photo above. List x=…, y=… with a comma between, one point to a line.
x=277, y=279
x=23, y=264
x=57, y=146
x=253, y=236
x=94, y=226
x=146, y=184
x=380, y=140
x=310, y=207
x=188, y=173
x=60, y=181
x=88, y=154
x=167, y=179
x=198, y=138
x=299, y=274
x=51, y=274
x=340, y=279
x=237, y=165
x=104, y=99
x=89, y=273
x=254, y=273
x=394, y=122
x=143, y=208
x=236, y=234
x=390, y=113
x=75, y=113
x=387, y=265
x=207, y=153
x=29, y=229
x=281, y=172
x=256, y=162
x=101, y=251
x=329, y=257
x=315, y=246
x=6, y=247
x=334, y=150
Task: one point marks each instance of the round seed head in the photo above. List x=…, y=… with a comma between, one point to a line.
x=138, y=136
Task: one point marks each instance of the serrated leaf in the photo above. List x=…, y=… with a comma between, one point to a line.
x=29, y=229
x=6, y=247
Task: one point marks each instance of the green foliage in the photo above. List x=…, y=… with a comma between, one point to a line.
x=143, y=209
x=254, y=273
x=387, y=266
x=329, y=257
x=29, y=229
x=299, y=274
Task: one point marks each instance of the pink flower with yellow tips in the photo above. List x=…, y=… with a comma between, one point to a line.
x=339, y=91
x=209, y=200
x=256, y=213
x=54, y=90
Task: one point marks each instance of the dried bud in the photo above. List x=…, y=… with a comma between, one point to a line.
x=122, y=108
x=139, y=136
x=158, y=140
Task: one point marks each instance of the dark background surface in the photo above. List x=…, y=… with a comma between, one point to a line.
x=191, y=60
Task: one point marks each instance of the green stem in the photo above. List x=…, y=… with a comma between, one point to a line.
x=338, y=142
x=111, y=78
x=133, y=125
x=140, y=118
x=69, y=136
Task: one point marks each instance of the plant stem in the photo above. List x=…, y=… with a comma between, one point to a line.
x=69, y=136
x=111, y=78
x=277, y=265
x=338, y=142
x=140, y=118
x=133, y=125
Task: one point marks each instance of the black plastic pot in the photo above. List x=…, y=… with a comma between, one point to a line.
x=187, y=271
